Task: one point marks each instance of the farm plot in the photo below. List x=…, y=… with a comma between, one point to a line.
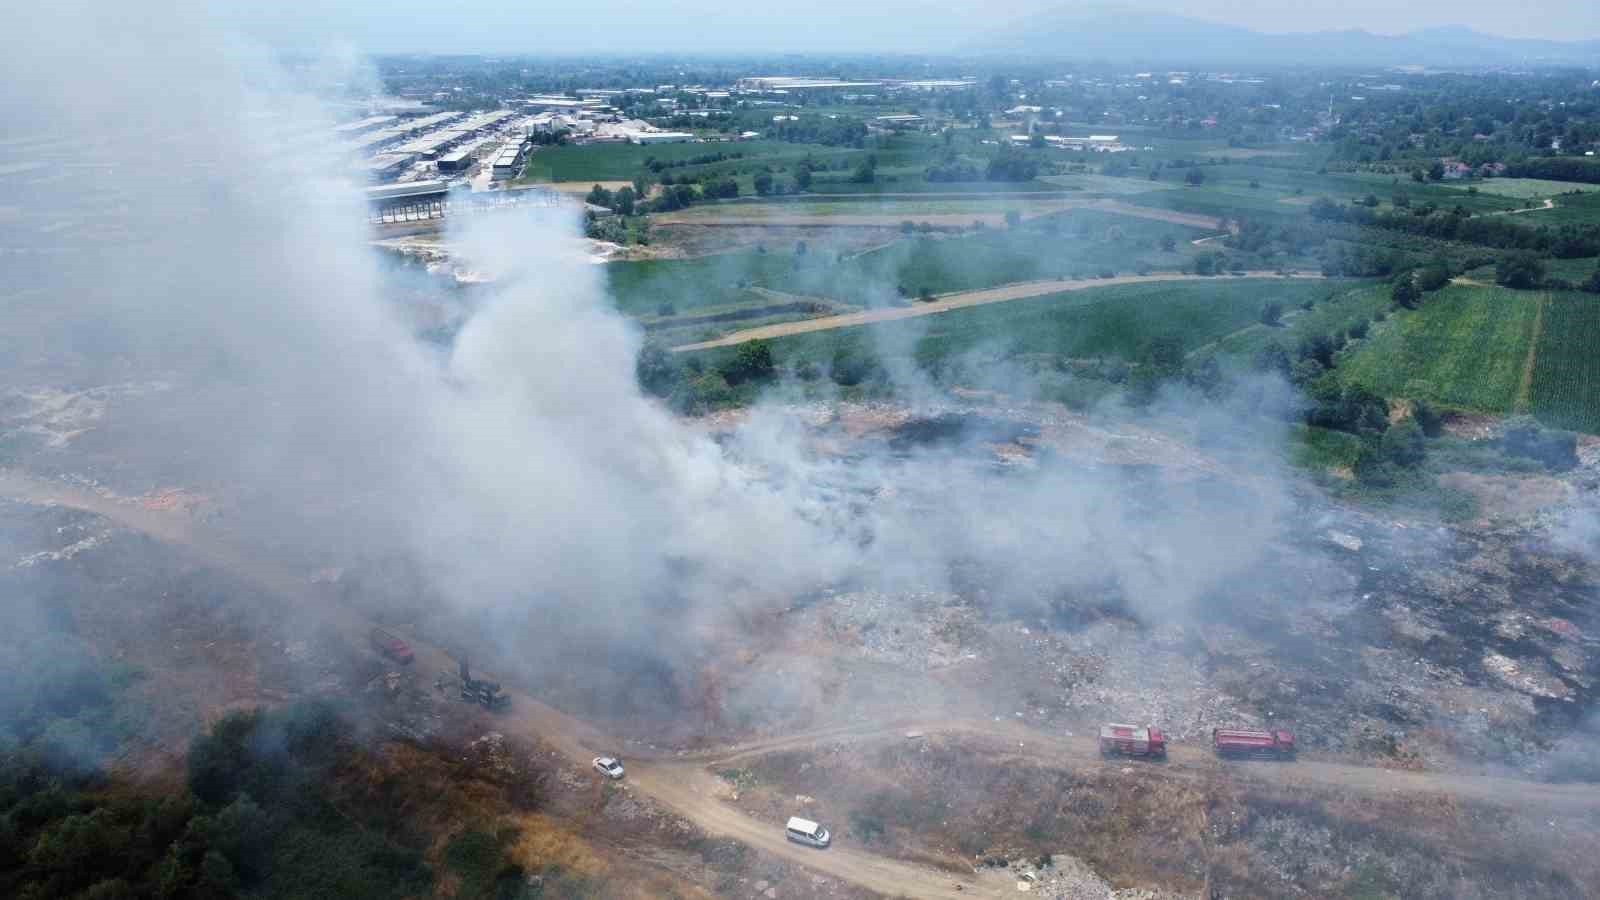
x=1080, y=242
x=1336, y=313
x=1566, y=371
x=1569, y=209
x=614, y=162
x=1113, y=321
x=1523, y=188
x=1466, y=346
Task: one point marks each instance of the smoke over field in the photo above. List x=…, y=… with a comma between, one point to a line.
x=193, y=230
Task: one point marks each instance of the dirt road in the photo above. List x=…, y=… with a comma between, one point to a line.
x=1549, y=203
x=682, y=783
x=945, y=302
x=1197, y=759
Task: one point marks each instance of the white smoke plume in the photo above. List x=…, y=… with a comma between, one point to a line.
x=210, y=238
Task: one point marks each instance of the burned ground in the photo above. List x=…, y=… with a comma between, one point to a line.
x=960, y=802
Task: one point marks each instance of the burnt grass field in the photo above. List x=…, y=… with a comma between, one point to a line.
x=960, y=803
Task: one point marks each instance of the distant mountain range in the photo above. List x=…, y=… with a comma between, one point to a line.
x=1142, y=36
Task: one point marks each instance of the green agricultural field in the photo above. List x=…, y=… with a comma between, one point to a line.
x=1074, y=242
x=1523, y=188
x=1570, y=209
x=1566, y=372
x=620, y=162
x=648, y=288
x=1466, y=346
x=1113, y=321
x=1573, y=270
x=1108, y=185
x=1335, y=312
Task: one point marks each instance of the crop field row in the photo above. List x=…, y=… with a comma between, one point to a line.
x=1113, y=321
x=1466, y=346
x=1566, y=371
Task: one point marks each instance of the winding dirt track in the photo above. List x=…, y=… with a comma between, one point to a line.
x=683, y=784
x=1019, y=290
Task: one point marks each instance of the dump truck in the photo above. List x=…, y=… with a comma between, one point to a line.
x=1234, y=742
x=1132, y=740
x=486, y=694
x=389, y=645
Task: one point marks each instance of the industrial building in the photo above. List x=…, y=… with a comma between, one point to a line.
x=508, y=162
x=408, y=202
x=363, y=125
x=461, y=158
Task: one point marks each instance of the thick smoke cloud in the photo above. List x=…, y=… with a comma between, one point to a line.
x=522, y=467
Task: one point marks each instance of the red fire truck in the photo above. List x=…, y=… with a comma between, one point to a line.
x=1132, y=740
x=1233, y=742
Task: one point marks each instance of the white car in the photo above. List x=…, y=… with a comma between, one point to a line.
x=610, y=768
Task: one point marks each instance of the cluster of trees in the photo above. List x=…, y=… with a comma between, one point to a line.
x=255, y=819
x=1563, y=242
x=657, y=166
x=1011, y=164
x=692, y=386
x=622, y=201
x=840, y=132
x=953, y=169
x=1584, y=169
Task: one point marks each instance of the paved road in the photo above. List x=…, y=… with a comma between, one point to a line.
x=682, y=784
x=960, y=300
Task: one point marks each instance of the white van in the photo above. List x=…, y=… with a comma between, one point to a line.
x=805, y=831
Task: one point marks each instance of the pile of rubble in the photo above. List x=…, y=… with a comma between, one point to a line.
x=1065, y=878
x=920, y=630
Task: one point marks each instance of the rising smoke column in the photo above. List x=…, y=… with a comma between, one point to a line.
x=523, y=467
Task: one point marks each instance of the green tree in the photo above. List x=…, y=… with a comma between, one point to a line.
x=1404, y=292
x=655, y=369
x=624, y=199
x=763, y=184
x=1195, y=177
x=1163, y=354
x=1592, y=283
x=1404, y=445
x=1519, y=269
x=1436, y=171
x=802, y=176
x=1272, y=313
x=1427, y=418
x=751, y=362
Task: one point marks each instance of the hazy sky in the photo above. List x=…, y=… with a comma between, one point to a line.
x=507, y=26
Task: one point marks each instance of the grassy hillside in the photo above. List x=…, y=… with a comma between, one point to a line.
x=1466, y=346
